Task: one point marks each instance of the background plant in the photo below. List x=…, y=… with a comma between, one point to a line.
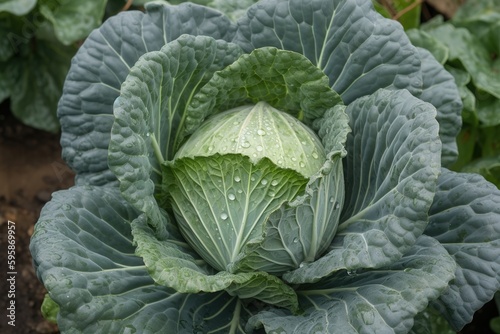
x=38, y=38
x=468, y=47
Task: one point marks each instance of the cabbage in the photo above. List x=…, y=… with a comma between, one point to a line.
x=284, y=173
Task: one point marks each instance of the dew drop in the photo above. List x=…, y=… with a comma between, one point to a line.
x=294, y=159
x=237, y=179
x=245, y=144
x=302, y=164
x=148, y=134
x=259, y=148
x=274, y=183
x=252, y=178
x=210, y=148
x=223, y=216
x=240, y=191
x=263, y=182
x=295, y=240
x=66, y=207
x=231, y=197
x=261, y=132
x=315, y=155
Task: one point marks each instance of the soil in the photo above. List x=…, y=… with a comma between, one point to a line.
x=31, y=169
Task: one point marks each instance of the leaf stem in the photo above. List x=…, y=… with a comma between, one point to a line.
x=156, y=149
x=236, y=317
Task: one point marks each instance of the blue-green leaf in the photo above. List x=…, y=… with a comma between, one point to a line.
x=83, y=253
x=465, y=219
x=440, y=89
x=391, y=169
x=358, y=49
x=384, y=300
x=102, y=64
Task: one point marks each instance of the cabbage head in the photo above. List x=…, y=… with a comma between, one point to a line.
x=284, y=171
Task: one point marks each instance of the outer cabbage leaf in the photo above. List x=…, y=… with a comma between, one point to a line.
x=83, y=253
x=358, y=49
x=383, y=300
x=169, y=265
x=102, y=64
x=150, y=113
x=440, y=89
x=465, y=219
x=391, y=169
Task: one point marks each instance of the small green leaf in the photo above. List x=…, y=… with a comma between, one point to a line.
x=49, y=309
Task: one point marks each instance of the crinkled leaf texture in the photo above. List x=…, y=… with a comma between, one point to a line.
x=383, y=300
x=465, y=219
x=172, y=266
x=83, y=251
x=102, y=64
x=391, y=168
x=358, y=49
x=380, y=271
x=150, y=115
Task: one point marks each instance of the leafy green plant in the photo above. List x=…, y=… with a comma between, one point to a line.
x=284, y=173
x=38, y=38
x=468, y=46
x=37, y=43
